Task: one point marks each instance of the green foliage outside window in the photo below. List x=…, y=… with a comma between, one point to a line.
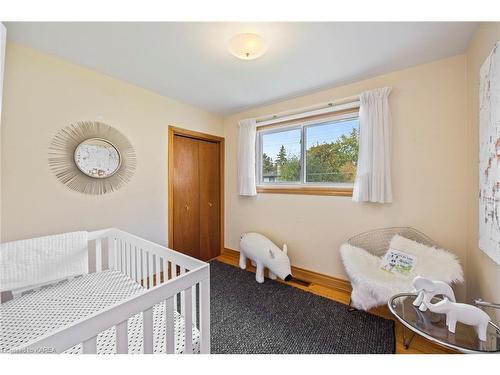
x=267, y=165
x=335, y=161
x=325, y=163
x=290, y=169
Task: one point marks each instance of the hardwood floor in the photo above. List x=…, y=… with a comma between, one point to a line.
x=419, y=345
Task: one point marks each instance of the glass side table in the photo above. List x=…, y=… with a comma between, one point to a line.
x=432, y=326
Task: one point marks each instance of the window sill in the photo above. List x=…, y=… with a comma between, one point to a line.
x=306, y=190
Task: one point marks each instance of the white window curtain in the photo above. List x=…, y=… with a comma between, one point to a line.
x=246, y=157
x=373, y=178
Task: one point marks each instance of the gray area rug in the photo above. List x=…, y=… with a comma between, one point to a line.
x=252, y=318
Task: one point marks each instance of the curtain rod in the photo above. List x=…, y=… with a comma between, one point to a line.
x=335, y=105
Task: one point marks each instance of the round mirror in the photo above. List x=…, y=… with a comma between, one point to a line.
x=97, y=158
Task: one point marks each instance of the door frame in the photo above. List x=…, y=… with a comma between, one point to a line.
x=172, y=132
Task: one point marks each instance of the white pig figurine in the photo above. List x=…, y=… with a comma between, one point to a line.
x=264, y=254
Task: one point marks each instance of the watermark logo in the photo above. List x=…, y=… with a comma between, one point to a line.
x=40, y=350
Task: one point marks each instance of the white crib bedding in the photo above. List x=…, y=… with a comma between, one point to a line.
x=41, y=311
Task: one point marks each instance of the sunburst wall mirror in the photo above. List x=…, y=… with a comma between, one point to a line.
x=92, y=157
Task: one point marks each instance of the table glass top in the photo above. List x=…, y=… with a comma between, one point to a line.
x=433, y=326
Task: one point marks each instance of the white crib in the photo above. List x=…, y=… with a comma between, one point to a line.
x=167, y=289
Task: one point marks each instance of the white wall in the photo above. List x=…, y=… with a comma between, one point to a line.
x=43, y=94
x=429, y=112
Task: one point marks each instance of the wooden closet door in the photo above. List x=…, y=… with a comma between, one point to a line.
x=186, y=184
x=209, y=171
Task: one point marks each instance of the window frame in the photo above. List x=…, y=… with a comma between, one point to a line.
x=300, y=187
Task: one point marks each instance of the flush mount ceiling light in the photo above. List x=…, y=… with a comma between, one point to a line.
x=247, y=46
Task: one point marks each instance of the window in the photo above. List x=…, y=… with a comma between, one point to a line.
x=314, y=154
x=281, y=154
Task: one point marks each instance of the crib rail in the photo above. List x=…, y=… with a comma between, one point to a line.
x=167, y=276
x=140, y=259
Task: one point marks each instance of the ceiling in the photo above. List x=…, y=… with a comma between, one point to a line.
x=190, y=62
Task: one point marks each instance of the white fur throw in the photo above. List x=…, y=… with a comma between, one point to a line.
x=372, y=286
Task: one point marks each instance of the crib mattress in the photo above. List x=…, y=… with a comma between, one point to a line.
x=41, y=311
